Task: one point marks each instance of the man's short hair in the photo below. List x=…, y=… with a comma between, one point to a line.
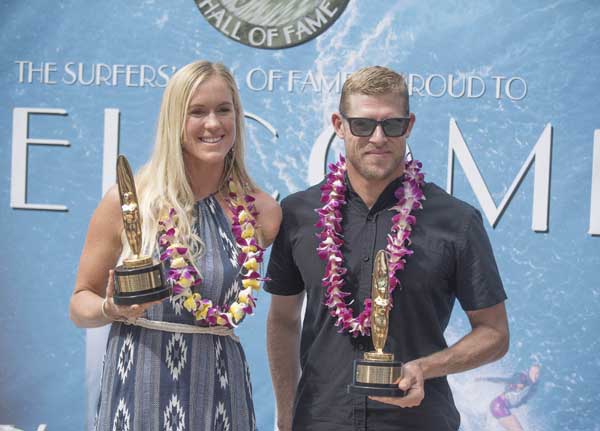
x=374, y=81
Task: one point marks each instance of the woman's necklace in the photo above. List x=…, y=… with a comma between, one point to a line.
x=183, y=276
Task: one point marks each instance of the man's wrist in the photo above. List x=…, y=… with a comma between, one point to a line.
x=420, y=363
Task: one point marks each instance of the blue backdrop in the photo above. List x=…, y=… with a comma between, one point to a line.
x=515, y=78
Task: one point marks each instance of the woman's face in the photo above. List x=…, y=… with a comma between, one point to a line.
x=210, y=122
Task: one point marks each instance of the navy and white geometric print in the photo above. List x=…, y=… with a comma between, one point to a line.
x=121, y=421
x=176, y=354
x=221, y=419
x=220, y=364
x=247, y=377
x=249, y=386
x=211, y=202
x=177, y=304
x=125, y=361
x=174, y=416
x=232, y=292
x=231, y=248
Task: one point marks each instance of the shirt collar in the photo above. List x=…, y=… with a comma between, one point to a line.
x=385, y=200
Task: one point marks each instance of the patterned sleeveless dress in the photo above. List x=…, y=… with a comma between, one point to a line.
x=158, y=380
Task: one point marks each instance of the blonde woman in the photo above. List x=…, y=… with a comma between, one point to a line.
x=157, y=376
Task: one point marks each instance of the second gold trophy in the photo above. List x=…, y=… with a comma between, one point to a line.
x=377, y=374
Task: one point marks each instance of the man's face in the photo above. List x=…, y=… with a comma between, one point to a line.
x=377, y=157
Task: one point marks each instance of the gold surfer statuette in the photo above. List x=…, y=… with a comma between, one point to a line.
x=377, y=372
x=140, y=278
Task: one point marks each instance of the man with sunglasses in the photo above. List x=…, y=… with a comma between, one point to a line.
x=326, y=256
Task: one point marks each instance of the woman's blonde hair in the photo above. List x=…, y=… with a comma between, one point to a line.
x=162, y=182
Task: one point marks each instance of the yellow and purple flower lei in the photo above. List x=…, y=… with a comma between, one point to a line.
x=183, y=275
x=409, y=196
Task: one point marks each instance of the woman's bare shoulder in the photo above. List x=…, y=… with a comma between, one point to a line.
x=269, y=215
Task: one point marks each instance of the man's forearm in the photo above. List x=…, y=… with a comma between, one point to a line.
x=485, y=343
x=284, y=360
x=475, y=349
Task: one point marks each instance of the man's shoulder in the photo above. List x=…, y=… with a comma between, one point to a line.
x=438, y=199
x=307, y=198
x=299, y=208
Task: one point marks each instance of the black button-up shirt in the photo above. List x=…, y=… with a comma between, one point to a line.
x=452, y=259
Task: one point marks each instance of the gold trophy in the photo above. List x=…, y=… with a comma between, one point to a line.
x=377, y=373
x=139, y=279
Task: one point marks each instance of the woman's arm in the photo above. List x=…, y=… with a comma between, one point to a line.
x=94, y=282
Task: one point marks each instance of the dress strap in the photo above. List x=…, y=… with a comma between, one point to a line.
x=221, y=331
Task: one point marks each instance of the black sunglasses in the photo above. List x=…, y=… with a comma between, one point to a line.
x=392, y=127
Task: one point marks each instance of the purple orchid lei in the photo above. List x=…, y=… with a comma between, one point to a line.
x=409, y=196
x=183, y=276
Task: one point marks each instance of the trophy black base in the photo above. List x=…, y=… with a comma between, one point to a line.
x=376, y=378
x=142, y=297
x=140, y=285
x=376, y=391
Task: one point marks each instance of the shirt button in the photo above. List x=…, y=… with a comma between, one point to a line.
x=361, y=347
x=370, y=217
x=365, y=258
